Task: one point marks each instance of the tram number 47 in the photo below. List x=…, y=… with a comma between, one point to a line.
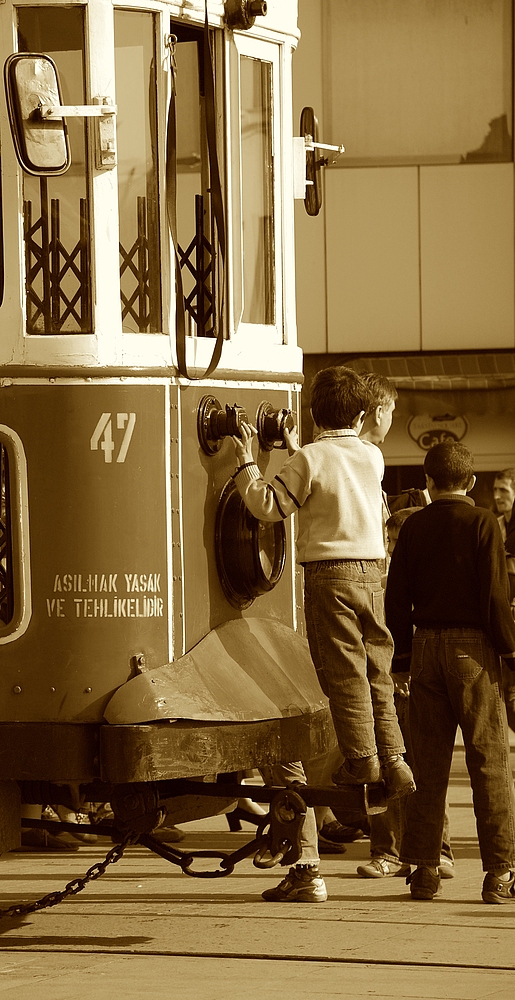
x=103, y=435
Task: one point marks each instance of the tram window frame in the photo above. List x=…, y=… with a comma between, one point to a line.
x=150, y=254
x=47, y=313
x=269, y=334
x=2, y=251
x=215, y=308
x=16, y=531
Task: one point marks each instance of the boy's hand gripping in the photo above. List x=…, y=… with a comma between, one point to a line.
x=243, y=444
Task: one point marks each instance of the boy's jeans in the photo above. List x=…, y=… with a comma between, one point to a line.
x=456, y=680
x=352, y=652
x=386, y=828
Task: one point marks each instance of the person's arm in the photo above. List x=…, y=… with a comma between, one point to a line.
x=494, y=591
x=279, y=498
x=398, y=605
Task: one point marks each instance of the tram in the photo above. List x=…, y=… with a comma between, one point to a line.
x=150, y=628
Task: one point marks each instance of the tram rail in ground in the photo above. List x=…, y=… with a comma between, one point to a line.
x=144, y=926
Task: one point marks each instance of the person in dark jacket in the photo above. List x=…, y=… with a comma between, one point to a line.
x=448, y=578
x=504, y=498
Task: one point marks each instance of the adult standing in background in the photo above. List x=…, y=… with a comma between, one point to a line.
x=504, y=498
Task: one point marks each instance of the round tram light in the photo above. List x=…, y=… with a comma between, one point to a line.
x=250, y=554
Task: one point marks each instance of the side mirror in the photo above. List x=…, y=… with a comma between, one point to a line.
x=309, y=129
x=309, y=187
x=31, y=82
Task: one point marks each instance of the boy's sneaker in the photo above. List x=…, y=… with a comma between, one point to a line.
x=332, y=837
x=495, y=890
x=301, y=885
x=358, y=771
x=446, y=867
x=383, y=868
x=423, y=884
x=398, y=777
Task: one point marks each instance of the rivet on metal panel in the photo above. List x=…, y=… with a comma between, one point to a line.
x=17, y=689
x=52, y=690
x=88, y=690
x=139, y=662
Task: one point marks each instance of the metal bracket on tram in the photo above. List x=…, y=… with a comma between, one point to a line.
x=271, y=425
x=307, y=165
x=54, y=112
x=283, y=843
x=105, y=132
x=215, y=423
x=241, y=14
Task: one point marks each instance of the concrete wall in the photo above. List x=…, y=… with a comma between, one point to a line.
x=401, y=257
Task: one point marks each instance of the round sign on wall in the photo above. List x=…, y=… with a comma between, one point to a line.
x=428, y=431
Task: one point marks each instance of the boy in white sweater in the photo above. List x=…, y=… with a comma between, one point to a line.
x=335, y=486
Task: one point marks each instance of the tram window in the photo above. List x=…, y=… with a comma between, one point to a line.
x=138, y=193
x=15, y=600
x=55, y=209
x=197, y=245
x=1, y=239
x=257, y=191
x=6, y=568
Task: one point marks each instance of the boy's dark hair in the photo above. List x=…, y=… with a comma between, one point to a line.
x=508, y=474
x=381, y=389
x=450, y=465
x=338, y=394
x=397, y=520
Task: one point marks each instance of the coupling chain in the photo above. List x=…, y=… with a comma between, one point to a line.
x=75, y=886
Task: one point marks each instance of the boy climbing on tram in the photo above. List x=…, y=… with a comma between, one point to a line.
x=334, y=484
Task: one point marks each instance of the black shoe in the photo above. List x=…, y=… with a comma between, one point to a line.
x=358, y=771
x=35, y=839
x=331, y=838
x=398, y=777
x=168, y=834
x=495, y=890
x=235, y=818
x=423, y=884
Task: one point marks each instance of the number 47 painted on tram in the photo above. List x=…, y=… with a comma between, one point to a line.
x=103, y=435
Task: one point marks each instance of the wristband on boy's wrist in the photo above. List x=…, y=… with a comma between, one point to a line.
x=240, y=467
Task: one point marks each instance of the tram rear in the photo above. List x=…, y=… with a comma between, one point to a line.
x=148, y=624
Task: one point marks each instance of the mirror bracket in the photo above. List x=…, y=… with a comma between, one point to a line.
x=52, y=112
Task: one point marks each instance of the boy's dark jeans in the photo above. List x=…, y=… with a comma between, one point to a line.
x=456, y=680
x=386, y=828
x=352, y=649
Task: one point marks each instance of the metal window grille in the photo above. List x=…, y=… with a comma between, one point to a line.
x=57, y=280
x=199, y=260
x=139, y=268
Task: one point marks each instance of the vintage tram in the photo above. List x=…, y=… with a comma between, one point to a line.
x=149, y=626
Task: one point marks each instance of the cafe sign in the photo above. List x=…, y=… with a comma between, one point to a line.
x=428, y=431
